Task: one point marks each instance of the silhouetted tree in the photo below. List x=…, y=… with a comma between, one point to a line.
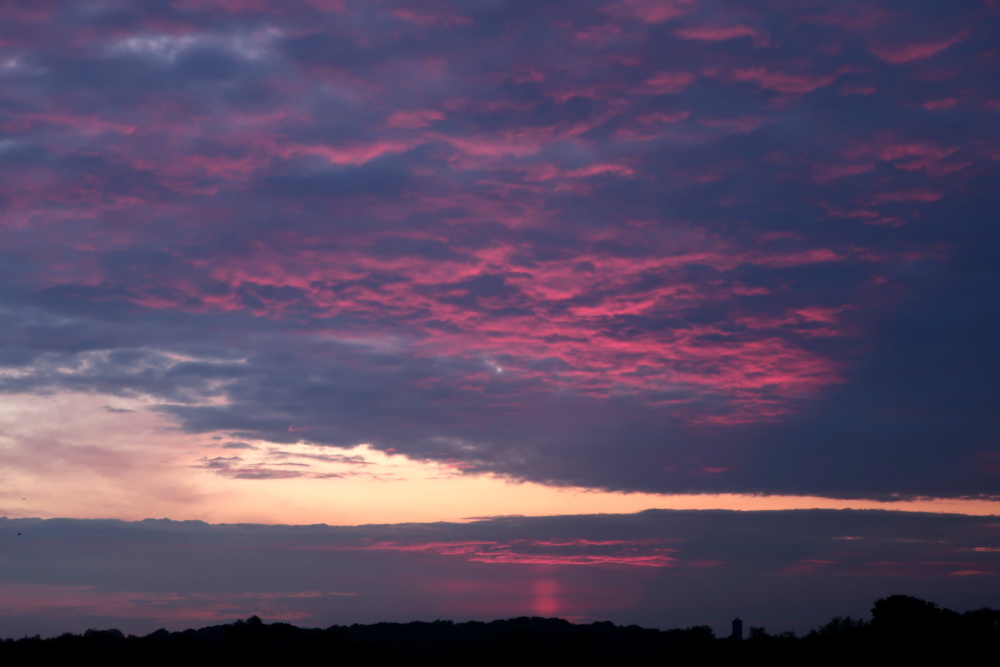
x=903, y=629
x=906, y=617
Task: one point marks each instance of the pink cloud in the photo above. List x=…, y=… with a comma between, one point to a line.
x=914, y=195
x=826, y=173
x=81, y=125
x=334, y=6
x=667, y=82
x=528, y=75
x=817, y=255
x=444, y=548
x=598, y=35
x=652, y=125
x=739, y=124
x=898, y=568
x=427, y=15
x=810, y=322
x=575, y=552
x=539, y=559
x=598, y=362
x=853, y=16
x=718, y=34
x=650, y=11
x=848, y=89
x=943, y=103
x=866, y=215
x=783, y=82
x=414, y=119
x=592, y=543
x=228, y=6
x=921, y=156
x=663, y=117
x=598, y=169
x=28, y=12
x=356, y=154
x=905, y=53
x=809, y=565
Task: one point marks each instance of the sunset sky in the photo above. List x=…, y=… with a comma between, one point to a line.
x=584, y=308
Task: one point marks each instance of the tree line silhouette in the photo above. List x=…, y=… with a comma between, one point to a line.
x=901, y=627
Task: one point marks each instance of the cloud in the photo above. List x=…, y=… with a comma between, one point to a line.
x=139, y=576
x=622, y=246
x=238, y=445
x=906, y=53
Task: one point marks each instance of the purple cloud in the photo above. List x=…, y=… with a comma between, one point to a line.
x=662, y=246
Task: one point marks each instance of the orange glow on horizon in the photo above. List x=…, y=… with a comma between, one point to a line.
x=66, y=455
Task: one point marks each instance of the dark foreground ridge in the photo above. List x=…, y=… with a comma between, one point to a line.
x=901, y=627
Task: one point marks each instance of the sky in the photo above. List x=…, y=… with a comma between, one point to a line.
x=651, y=311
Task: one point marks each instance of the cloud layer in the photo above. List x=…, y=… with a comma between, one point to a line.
x=782, y=570
x=668, y=246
